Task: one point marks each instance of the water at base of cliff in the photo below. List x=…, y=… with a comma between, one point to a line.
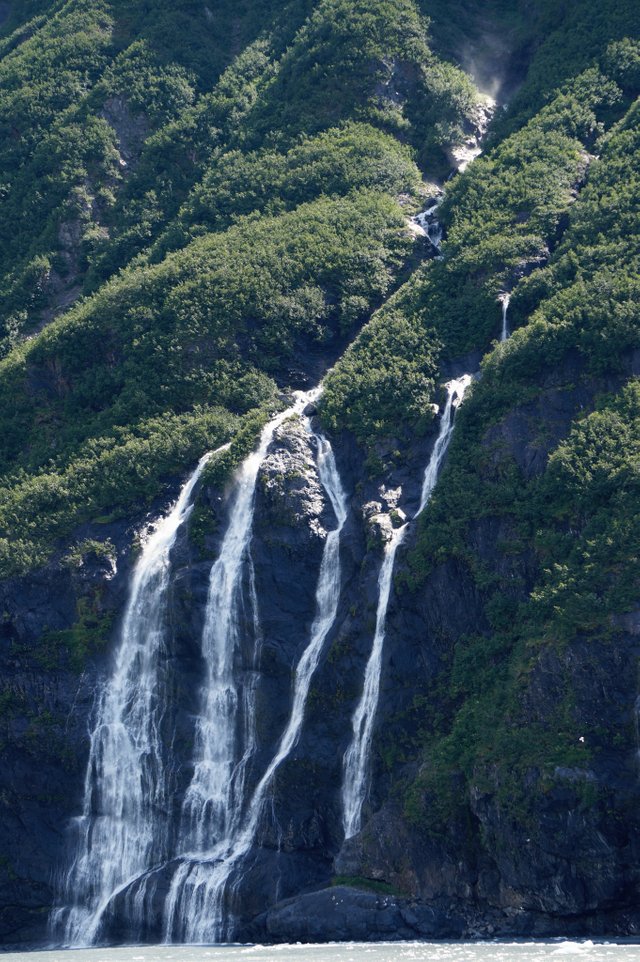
x=523, y=951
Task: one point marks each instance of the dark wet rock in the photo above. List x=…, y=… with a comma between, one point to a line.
x=358, y=916
x=47, y=696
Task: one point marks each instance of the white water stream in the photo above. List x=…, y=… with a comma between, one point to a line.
x=428, y=224
x=124, y=832
x=195, y=908
x=504, y=300
x=196, y=911
x=223, y=740
x=357, y=758
x=455, y=394
x=124, y=828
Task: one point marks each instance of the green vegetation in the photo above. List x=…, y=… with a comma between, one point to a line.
x=116, y=123
x=90, y=548
x=356, y=155
x=390, y=368
x=346, y=61
x=89, y=633
x=366, y=884
x=572, y=519
x=112, y=476
x=148, y=352
x=85, y=92
x=570, y=37
x=185, y=230
x=502, y=217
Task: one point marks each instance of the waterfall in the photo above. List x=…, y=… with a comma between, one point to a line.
x=464, y=154
x=455, y=394
x=124, y=826
x=223, y=742
x=429, y=225
x=125, y=832
x=195, y=907
x=504, y=300
x=356, y=759
x=356, y=762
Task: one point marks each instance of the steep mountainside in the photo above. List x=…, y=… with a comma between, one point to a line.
x=204, y=208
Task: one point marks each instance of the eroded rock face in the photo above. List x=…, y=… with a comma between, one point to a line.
x=131, y=129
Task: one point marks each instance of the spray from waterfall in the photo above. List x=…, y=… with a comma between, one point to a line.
x=357, y=758
x=124, y=826
x=195, y=910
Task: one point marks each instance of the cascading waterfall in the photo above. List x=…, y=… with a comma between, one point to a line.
x=428, y=223
x=504, y=300
x=195, y=908
x=225, y=833
x=212, y=805
x=124, y=826
x=455, y=394
x=214, y=798
x=356, y=761
x=124, y=831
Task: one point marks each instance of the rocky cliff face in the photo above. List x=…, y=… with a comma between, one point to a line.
x=48, y=689
x=69, y=614
x=544, y=856
x=497, y=867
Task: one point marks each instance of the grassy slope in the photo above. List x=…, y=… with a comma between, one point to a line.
x=256, y=278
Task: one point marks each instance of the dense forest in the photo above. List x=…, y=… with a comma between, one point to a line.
x=208, y=206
